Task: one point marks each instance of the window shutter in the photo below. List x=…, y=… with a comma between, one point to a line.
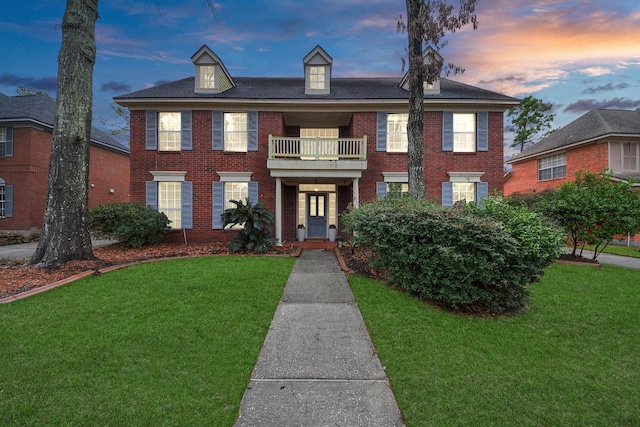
x=8, y=145
x=381, y=190
x=218, y=204
x=447, y=131
x=152, y=131
x=482, y=192
x=187, y=204
x=217, y=128
x=252, y=131
x=152, y=194
x=252, y=192
x=185, y=130
x=8, y=201
x=447, y=194
x=381, y=131
x=482, y=132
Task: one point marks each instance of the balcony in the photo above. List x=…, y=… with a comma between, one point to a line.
x=342, y=156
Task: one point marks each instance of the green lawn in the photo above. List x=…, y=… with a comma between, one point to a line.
x=166, y=343
x=573, y=359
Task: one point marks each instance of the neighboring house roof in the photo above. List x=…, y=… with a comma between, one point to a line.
x=292, y=89
x=40, y=109
x=595, y=124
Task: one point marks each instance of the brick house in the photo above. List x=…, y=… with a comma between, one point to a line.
x=597, y=140
x=26, y=130
x=308, y=147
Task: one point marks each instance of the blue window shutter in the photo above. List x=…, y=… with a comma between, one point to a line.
x=253, y=192
x=482, y=132
x=218, y=204
x=252, y=131
x=8, y=145
x=381, y=190
x=217, y=128
x=8, y=201
x=447, y=131
x=187, y=204
x=185, y=130
x=381, y=131
x=482, y=192
x=447, y=194
x=152, y=130
x=152, y=194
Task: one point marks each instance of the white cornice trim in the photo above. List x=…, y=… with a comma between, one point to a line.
x=464, y=176
x=168, y=176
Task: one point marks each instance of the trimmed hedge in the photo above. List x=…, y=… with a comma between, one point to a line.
x=462, y=258
x=132, y=224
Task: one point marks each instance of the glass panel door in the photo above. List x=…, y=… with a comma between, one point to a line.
x=316, y=215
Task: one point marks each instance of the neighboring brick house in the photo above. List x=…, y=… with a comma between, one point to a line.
x=26, y=129
x=307, y=146
x=597, y=140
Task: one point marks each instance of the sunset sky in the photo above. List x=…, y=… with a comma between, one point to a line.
x=578, y=55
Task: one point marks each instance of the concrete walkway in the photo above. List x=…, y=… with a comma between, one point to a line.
x=317, y=366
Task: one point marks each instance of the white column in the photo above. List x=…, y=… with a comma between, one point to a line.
x=279, y=211
x=356, y=192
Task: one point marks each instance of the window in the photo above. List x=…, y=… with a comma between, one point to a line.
x=464, y=133
x=464, y=191
x=235, y=191
x=552, y=167
x=232, y=186
x=170, y=202
x=316, y=78
x=3, y=142
x=169, y=131
x=630, y=156
x=207, y=77
x=235, y=132
x=397, y=133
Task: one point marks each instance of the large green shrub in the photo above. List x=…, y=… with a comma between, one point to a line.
x=256, y=221
x=461, y=258
x=132, y=224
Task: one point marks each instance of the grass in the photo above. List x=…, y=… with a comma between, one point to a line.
x=571, y=359
x=167, y=343
x=629, y=251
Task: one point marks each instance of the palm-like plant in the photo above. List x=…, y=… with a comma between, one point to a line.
x=257, y=223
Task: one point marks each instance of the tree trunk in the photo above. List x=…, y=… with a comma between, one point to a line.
x=415, y=124
x=65, y=231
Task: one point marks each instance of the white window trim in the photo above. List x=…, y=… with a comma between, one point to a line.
x=402, y=177
x=465, y=176
x=235, y=176
x=168, y=176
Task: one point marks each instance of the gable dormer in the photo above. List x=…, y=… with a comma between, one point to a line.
x=432, y=61
x=211, y=74
x=317, y=72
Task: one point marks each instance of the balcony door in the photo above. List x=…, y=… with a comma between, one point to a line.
x=317, y=215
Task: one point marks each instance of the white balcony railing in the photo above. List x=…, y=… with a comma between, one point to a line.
x=317, y=148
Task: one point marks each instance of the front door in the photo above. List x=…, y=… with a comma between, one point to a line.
x=316, y=215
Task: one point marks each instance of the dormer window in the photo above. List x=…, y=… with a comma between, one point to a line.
x=432, y=60
x=317, y=72
x=211, y=75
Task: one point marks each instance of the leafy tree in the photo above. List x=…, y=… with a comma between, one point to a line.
x=257, y=224
x=530, y=120
x=594, y=209
x=428, y=21
x=26, y=91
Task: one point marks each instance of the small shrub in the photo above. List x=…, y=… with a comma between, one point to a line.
x=257, y=222
x=132, y=224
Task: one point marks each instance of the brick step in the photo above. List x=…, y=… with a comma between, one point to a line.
x=315, y=244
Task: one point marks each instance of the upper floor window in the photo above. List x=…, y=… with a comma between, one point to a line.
x=630, y=156
x=235, y=131
x=3, y=141
x=552, y=167
x=316, y=78
x=169, y=131
x=207, y=76
x=397, y=133
x=464, y=132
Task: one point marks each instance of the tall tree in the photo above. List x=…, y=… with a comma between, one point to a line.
x=428, y=22
x=530, y=120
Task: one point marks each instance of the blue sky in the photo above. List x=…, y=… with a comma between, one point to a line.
x=578, y=55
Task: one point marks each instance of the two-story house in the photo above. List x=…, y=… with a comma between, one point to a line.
x=598, y=140
x=26, y=132
x=309, y=147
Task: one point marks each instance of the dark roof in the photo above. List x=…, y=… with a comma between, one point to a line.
x=593, y=125
x=42, y=109
x=283, y=88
